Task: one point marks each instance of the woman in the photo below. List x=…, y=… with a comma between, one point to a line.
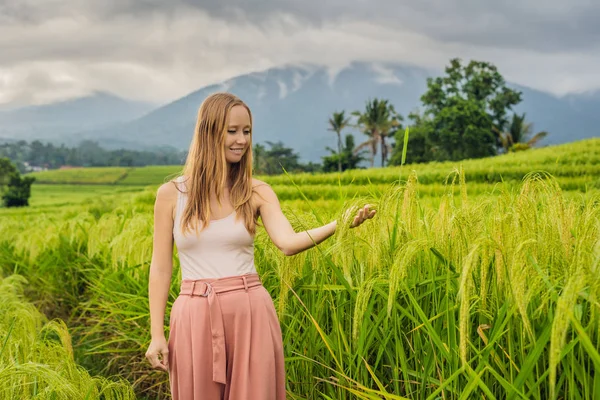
x=225, y=340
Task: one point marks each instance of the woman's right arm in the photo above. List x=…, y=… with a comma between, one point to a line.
x=161, y=268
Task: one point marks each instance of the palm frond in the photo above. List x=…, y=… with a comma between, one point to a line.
x=364, y=145
x=538, y=136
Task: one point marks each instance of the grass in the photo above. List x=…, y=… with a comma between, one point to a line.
x=56, y=195
x=90, y=175
x=463, y=290
x=36, y=357
x=154, y=175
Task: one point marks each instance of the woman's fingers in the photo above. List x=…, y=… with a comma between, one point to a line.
x=362, y=214
x=155, y=362
x=153, y=359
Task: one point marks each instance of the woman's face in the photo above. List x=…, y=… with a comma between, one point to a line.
x=237, y=140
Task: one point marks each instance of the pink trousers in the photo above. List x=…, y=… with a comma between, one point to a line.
x=225, y=341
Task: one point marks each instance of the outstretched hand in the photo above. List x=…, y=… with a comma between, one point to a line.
x=362, y=215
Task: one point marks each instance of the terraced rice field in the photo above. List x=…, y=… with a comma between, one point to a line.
x=478, y=279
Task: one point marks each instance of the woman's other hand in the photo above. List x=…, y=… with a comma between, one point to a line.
x=158, y=353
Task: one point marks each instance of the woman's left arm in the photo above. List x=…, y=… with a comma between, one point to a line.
x=281, y=231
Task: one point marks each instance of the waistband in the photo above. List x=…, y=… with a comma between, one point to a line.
x=203, y=287
x=209, y=288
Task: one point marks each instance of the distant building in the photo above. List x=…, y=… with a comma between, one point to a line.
x=33, y=168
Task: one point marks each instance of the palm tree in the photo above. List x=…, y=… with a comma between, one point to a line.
x=349, y=159
x=378, y=122
x=519, y=136
x=337, y=122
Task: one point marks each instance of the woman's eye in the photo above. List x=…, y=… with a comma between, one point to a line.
x=231, y=131
x=246, y=132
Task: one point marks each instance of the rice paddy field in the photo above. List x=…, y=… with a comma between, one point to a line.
x=478, y=279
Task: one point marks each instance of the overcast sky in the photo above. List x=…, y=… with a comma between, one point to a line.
x=160, y=50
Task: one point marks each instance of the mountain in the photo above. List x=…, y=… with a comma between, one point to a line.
x=566, y=119
x=292, y=104
x=57, y=122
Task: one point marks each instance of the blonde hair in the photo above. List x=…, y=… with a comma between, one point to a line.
x=205, y=169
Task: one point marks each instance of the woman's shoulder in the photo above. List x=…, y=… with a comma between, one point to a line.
x=264, y=191
x=169, y=190
x=166, y=196
x=258, y=184
x=262, y=188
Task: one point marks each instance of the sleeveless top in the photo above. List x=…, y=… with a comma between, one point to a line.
x=224, y=248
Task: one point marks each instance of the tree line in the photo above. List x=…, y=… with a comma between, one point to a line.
x=87, y=154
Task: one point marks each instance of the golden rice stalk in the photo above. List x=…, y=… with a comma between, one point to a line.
x=409, y=211
x=363, y=297
x=102, y=233
x=133, y=246
x=523, y=283
x=560, y=324
x=405, y=255
x=465, y=292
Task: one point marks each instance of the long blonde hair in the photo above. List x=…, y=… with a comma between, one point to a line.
x=205, y=169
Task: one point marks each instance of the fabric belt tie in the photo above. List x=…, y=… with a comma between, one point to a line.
x=209, y=288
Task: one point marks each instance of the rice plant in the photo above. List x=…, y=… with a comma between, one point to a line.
x=459, y=287
x=36, y=357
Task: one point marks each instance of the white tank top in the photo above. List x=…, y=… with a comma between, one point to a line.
x=224, y=248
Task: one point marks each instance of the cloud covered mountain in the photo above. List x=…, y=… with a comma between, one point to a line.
x=292, y=104
x=58, y=122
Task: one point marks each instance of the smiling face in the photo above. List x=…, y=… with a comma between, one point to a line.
x=237, y=139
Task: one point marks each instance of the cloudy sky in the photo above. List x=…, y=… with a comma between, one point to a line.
x=159, y=50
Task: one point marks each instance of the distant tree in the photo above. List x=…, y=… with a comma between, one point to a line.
x=519, y=136
x=258, y=155
x=420, y=149
x=467, y=107
x=37, y=153
x=92, y=153
x=337, y=123
x=347, y=158
x=311, y=166
x=461, y=131
x=18, y=189
x=6, y=169
x=278, y=157
x=378, y=121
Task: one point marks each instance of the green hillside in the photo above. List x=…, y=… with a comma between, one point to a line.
x=575, y=166
x=81, y=176
x=580, y=158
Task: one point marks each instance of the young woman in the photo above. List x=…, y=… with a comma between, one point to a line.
x=225, y=339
